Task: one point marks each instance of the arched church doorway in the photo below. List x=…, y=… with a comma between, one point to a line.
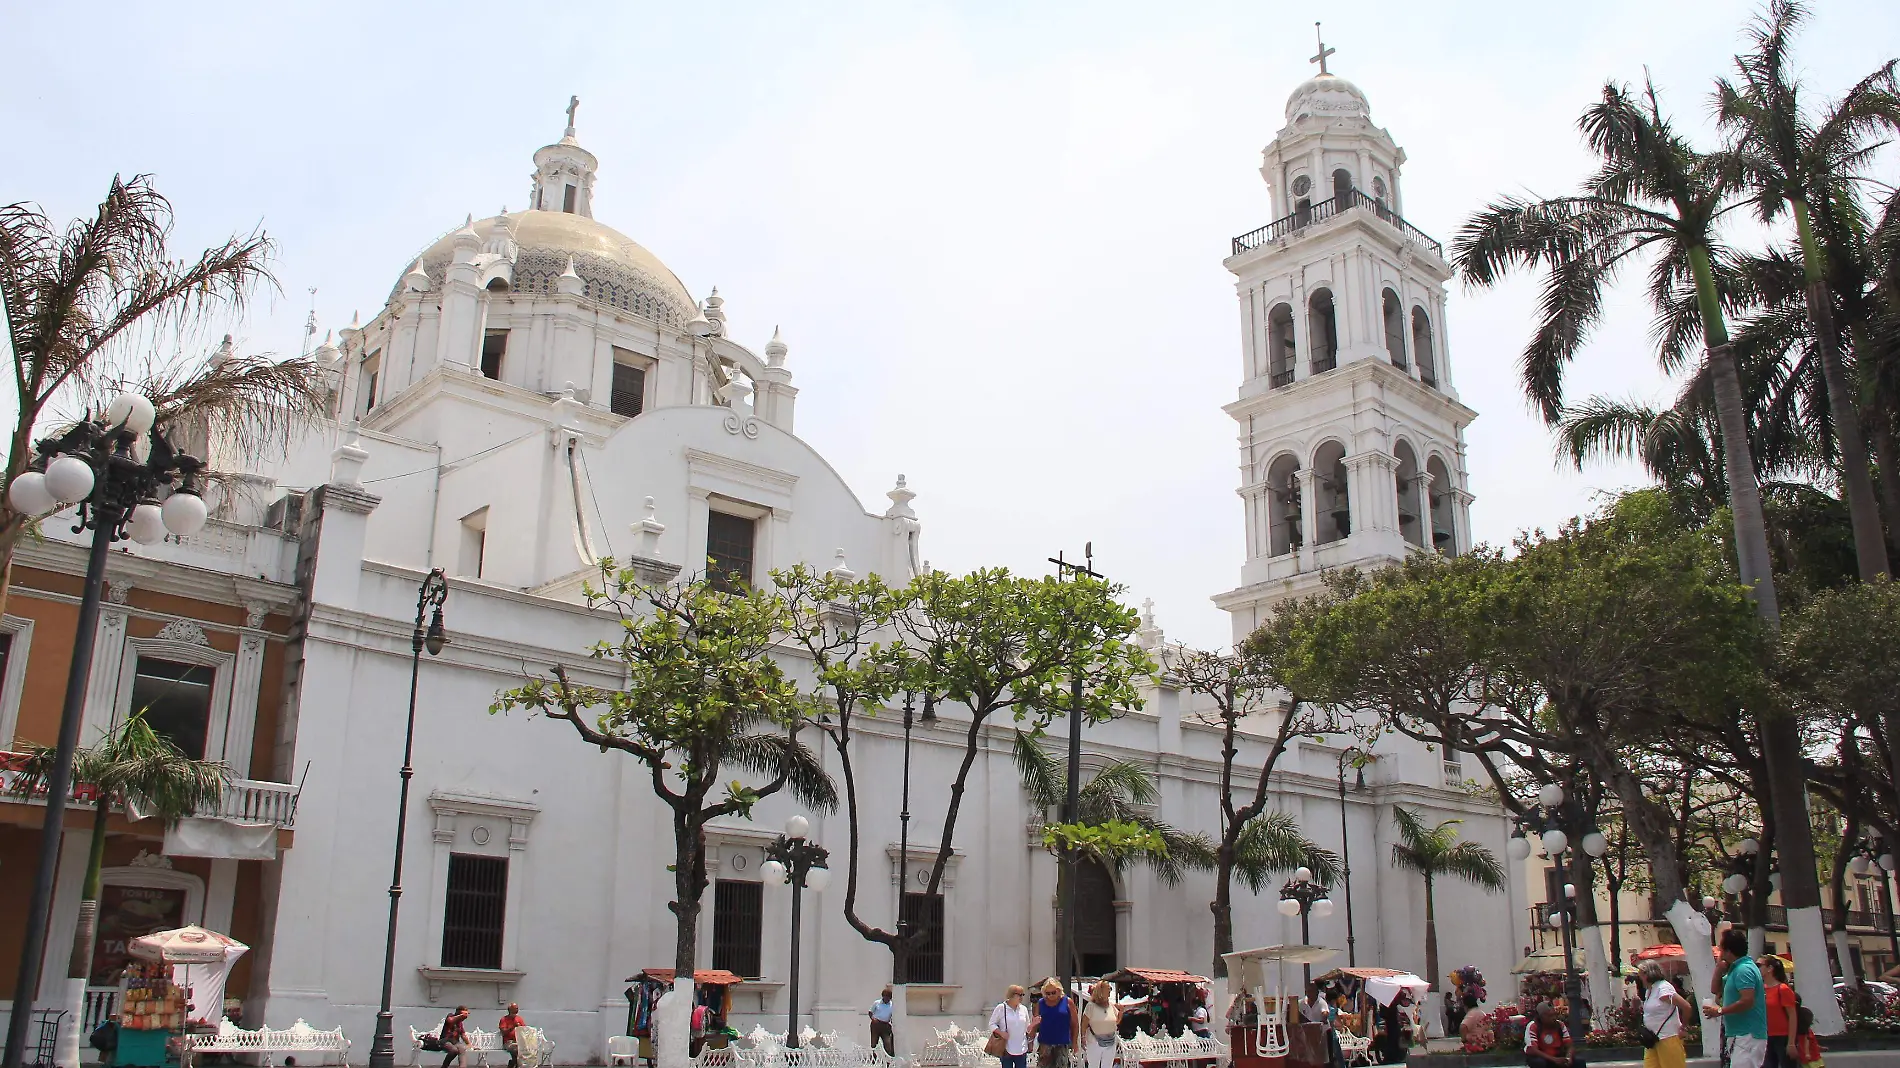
x=1095, y=944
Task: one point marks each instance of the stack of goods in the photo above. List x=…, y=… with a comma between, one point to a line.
x=151, y=1002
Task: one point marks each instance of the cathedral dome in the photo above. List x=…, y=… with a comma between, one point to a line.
x=1327, y=96
x=615, y=270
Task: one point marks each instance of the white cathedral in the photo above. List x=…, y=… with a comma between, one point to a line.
x=540, y=391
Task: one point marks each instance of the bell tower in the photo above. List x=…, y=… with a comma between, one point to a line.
x=1351, y=434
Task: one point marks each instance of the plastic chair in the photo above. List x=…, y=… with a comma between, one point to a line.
x=621, y=1049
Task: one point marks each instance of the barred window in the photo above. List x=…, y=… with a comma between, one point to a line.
x=629, y=390
x=730, y=541
x=738, y=931
x=924, y=914
x=474, y=910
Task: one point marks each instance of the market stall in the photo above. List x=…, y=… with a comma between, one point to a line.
x=1383, y=1009
x=1153, y=1000
x=1263, y=1022
x=712, y=991
x=172, y=980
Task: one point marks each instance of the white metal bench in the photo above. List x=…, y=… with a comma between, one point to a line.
x=1161, y=1048
x=299, y=1038
x=480, y=1044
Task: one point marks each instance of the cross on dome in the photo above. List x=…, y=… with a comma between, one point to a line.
x=574, y=104
x=1319, y=59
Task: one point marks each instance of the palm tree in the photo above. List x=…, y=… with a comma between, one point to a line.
x=1805, y=168
x=1652, y=193
x=142, y=773
x=1271, y=845
x=77, y=299
x=1121, y=791
x=1436, y=851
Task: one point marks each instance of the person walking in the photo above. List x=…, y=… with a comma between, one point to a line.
x=1101, y=1025
x=1547, y=1041
x=1056, y=1033
x=454, y=1036
x=510, y=1023
x=881, y=1023
x=1784, y=1006
x=1744, y=1006
x=1009, y=1021
x=1664, y=1011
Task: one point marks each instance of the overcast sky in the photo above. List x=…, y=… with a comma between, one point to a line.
x=991, y=233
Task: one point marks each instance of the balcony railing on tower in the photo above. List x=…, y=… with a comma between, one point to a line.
x=1327, y=209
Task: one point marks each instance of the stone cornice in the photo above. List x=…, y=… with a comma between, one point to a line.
x=151, y=575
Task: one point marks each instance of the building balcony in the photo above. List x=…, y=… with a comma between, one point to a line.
x=243, y=801
x=1300, y=221
x=1857, y=919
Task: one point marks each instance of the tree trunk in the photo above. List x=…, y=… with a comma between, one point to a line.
x=673, y=1016
x=1870, y=546
x=1590, y=937
x=1431, y=934
x=1837, y=886
x=1887, y=459
x=1223, y=908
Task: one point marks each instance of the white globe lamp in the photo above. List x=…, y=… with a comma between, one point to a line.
x=1595, y=844
x=1323, y=907
x=29, y=495
x=1289, y=907
x=1302, y=874
x=797, y=827
x=1749, y=846
x=1519, y=847
x=131, y=411
x=69, y=479
x=1555, y=841
x=184, y=513
x=148, y=524
x=772, y=871
x=1550, y=795
x=1860, y=865
x=1886, y=862
x=1734, y=884
x=818, y=878
x=1570, y=889
x=1556, y=921
x=1708, y=902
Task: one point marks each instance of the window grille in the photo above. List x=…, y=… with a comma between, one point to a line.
x=738, y=929
x=924, y=914
x=629, y=392
x=474, y=911
x=730, y=541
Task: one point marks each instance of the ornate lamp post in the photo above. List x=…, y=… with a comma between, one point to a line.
x=435, y=590
x=1359, y=759
x=1305, y=898
x=791, y=858
x=1562, y=826
x=901, y=959
x=92, y=465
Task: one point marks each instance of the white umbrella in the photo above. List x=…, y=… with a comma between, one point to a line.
x=186, y=945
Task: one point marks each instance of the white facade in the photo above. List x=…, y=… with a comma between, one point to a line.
x=487, y=442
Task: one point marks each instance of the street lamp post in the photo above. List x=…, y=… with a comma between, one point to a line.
x=1564, y=829
x=1303, y=897
x=1345, y=840
x=794, y=859
x=435, y=590
x=91, y=465
x=900, y=960
x=1071, y=804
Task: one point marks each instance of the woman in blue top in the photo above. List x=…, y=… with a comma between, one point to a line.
x=1055, y=1027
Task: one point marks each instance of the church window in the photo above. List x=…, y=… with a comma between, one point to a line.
x=176, y=701
x=1284, y=532
x=738, y=926
x=1444, y=526
x=1333, y=498
x=1422, y=347
x=1394, y=329
x=629, y=389
x=367, y=381
x=568, y=198
x=1322, y=340
x=474, y=909
x=924, y=915
x=474, y=545
x=1280, y=350
x=494, y=347
x=1342, y=189
x=730, y=542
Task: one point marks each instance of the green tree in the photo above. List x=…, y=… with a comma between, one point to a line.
x=77, y=300
x=1254, y=843
x=699, y=694
x=141, y=773
x=1120, y=792
x=1434, y=853
x=1805, y=166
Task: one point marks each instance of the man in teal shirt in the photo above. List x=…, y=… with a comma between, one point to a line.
x=1744, y=1008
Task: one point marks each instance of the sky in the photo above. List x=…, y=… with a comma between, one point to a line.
x=991, y=233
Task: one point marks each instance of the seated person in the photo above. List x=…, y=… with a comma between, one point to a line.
x=1547, y=1041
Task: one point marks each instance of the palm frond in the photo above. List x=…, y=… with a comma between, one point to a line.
x=1043, y=777
x=1433, y=851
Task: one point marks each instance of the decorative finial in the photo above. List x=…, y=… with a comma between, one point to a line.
x=417, y=279
x=901, y=495
x=1323, y=51
x=838, y=569
x=573, y=105
x=775, y=350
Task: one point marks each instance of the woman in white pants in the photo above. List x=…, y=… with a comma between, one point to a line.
x=1101, y=1019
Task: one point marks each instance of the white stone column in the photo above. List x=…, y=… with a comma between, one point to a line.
x=220, y=896
x=108, y=659
x=1374, y=492
x=1461, y=520
x=247, y=676
x=1309, y=509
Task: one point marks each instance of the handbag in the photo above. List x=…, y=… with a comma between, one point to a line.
x=431, y=1043
x=1647, y=1037
x=998, y=1046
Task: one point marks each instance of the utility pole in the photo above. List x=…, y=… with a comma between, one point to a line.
x=1071, y=801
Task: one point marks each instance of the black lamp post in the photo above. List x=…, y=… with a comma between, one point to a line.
x=1071, y=803
x=435, y=590
x=794, y=859
x=1359, y=757
x=91, y=465
x=900, y=960
x=1563, y=827
x=1307, y=898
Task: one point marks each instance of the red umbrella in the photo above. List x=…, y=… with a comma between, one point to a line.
x=1663, y=952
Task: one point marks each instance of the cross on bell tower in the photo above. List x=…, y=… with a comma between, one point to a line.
x=1323, y=51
